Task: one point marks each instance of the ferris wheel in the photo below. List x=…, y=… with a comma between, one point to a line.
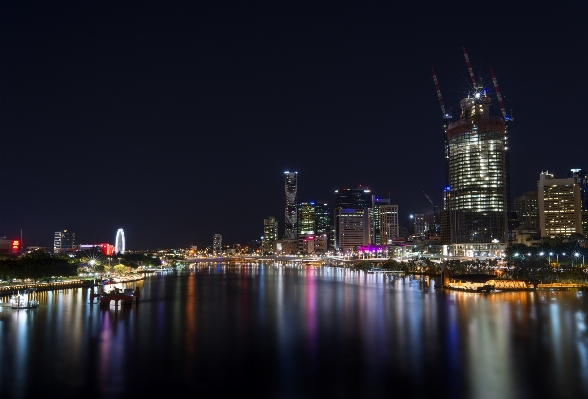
x=119, y=242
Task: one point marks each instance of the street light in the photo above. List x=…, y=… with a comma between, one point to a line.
x=576, y=255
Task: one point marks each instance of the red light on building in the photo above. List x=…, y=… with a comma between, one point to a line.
x=15, y=246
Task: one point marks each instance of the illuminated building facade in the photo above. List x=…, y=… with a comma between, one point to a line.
x=477, y=167
x=306, y=215
x=106, y=249
x=306, y=227
x=348, y=200
x=560, y=206
x=119, y=242
x=291, y=190
x=322, y=218
x=64, y=241
x=389, y=228
x=375, y=222
x=217, y=244
x=352, y=228
x=270, y=235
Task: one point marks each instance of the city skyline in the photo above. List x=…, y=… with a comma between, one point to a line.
x=139, y=117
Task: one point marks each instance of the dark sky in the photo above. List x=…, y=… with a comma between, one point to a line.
x=176, y=121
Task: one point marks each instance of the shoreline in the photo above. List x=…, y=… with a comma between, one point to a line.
x=10, y=290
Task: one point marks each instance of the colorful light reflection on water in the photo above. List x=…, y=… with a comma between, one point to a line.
x=296, y=331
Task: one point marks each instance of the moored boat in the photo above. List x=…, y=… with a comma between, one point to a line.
x=25, y=300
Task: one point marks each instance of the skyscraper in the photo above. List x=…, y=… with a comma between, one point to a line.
x=270, y=235
x=375, y=211
x=217, y=244
x=306, y=218
x=560, y=206
x=119, y=242
x=477, y=194
x=291, y=189
x=389, y=228
x=351, y=213
x=526, y=207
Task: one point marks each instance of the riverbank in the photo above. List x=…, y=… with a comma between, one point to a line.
x=59, y=285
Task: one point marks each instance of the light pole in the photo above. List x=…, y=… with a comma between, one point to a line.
x=551, y=253
x=576, y=255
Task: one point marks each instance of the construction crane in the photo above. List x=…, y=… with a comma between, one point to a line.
x=431, y=201
x=506, y=118
x=465, y=54
x=438, y=91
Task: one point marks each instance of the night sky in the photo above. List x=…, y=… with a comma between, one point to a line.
x=176, y=121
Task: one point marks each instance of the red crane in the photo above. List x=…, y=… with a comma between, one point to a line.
x=438, y=91
x=498, y=94
x=465, y=54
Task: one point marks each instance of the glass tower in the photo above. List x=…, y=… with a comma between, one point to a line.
x=477, y=166
x=291, y=189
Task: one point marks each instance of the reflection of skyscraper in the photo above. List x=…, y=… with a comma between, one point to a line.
x=291, y=189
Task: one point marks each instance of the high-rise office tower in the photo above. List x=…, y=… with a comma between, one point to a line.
x=348, y=204
x=477, y=168
x=322, y=218
x=217, y=244
x=291, y=189
x=374, y=212
x=580, y=177
x=64, y=241
x=419, y=224
x=353, y=229
x=270, y=235
x=389, y=228
x=560, y=209
x=306, y=218
x=306, y=227
x=526, y=207
x=119, y=242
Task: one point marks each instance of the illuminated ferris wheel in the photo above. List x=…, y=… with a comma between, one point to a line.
x=119, y=243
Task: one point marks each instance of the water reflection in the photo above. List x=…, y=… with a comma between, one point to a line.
x=284, y=331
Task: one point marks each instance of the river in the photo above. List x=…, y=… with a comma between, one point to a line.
x=289, y=332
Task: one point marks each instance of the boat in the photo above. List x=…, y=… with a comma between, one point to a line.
x=116, y=294
x=24, y=300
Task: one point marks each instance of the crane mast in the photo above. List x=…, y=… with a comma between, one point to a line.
x=498, y=94
x=465, y=54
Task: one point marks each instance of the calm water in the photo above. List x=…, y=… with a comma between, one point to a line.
x=297, y=332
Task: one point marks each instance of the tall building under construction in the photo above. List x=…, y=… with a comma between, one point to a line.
x=476, y=196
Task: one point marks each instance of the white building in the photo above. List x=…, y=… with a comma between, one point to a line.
x=389, y=228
